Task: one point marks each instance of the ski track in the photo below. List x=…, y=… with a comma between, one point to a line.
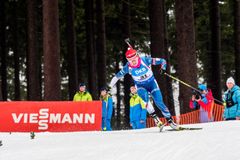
x=217, y=140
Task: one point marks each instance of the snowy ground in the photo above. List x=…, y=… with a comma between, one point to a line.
x=217, y=141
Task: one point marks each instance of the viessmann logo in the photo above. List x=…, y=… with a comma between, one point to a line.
x=43, y=118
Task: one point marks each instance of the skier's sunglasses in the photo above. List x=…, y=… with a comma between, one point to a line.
x=132, y=58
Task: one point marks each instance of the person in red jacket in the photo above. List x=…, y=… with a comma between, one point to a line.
x=204, y=101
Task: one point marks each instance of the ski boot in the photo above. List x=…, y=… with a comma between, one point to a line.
x=157, y=121
x=1, y=143
x=172, y=124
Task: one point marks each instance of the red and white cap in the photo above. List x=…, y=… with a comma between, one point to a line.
x=130, y=53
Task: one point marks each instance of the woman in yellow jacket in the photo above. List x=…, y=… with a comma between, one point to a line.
x=138, y=112
x=82, y=94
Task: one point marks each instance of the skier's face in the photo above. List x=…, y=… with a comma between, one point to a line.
x=133, y=61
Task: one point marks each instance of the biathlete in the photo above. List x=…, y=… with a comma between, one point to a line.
x=140, y=70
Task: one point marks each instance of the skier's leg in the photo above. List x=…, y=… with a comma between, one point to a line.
x=153, y=114
x=142, y=92
x=157, y=97
x=150, y=108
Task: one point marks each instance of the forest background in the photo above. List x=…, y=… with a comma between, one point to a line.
x=47, y=47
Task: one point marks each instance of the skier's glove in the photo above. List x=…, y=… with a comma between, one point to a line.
x=163, y=68
x=162, y=71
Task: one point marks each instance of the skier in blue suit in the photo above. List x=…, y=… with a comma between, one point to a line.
x=140, y=70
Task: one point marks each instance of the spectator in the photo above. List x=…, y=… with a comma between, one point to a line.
x=107, y=109
x=137, y=110
x=203, y=101
x=232, y=101
x=82, y=94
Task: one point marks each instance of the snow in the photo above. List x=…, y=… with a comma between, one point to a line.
x=216, y=141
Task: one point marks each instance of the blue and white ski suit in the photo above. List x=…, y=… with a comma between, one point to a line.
x=145, y=82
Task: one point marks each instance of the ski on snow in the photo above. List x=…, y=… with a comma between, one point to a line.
x=184, y=129
x=161, y=129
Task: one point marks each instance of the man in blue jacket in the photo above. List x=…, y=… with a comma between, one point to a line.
x=138, y=113
x=140, y=70
x=232, y=101
x=107, y=109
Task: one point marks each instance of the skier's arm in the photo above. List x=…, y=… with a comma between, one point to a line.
x=157, y=61
x=119, y=75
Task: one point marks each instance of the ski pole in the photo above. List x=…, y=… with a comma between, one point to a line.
x=188, y=85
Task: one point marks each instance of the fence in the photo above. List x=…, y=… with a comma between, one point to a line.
x=192, y=117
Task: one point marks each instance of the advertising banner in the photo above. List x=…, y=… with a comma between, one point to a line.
x=51, y=116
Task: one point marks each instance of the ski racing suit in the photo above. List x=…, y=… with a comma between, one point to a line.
x=145, y=82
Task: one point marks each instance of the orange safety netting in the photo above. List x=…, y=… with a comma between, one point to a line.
x=192, y=117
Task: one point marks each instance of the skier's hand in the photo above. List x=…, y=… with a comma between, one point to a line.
x=162, y=71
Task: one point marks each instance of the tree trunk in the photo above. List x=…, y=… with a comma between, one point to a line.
x=126, y=30
x=101, y=43
x=33, y=58
x=15, y=51
x=3, y=51
x=51, y=50
x=159, y=49
x=92, y=80
x=237, y=38
x=118, y=95
x=186, y=55
x=214, y=81
x=71, y=49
